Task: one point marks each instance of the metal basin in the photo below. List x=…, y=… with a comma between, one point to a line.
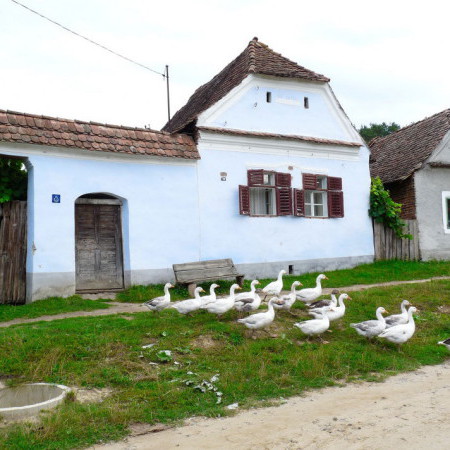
x=27, y=400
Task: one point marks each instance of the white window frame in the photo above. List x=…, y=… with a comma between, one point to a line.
x=312, y=204
x=445, y=211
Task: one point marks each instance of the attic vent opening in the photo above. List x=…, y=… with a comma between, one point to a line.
x=291, y=269
x=269, y=97
x=306, y=102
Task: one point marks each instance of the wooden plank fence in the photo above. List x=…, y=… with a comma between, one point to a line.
x=13, y=252
x=389, y=246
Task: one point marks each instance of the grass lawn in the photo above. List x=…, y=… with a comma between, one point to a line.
x=150, y=386
x=378, y=272
x=49, y=306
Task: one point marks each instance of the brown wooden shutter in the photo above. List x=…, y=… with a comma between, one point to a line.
x=299, y=202
x=282, y=179
x=244, y=200
x=284, y=201
x=255, y=177
x=334, y=184
x=309, y=181
x=335, y=204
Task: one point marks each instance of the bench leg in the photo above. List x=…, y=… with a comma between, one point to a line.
x=191, y=289
x=240, y=281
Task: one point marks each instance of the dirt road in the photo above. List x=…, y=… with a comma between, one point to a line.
x=407, y=411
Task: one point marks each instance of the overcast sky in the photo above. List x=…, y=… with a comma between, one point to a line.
x=387, y=60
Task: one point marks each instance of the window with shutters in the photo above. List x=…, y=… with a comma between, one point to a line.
x=267, y=193
x=321, y=197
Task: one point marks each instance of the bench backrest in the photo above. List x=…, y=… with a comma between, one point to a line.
x=205, y=270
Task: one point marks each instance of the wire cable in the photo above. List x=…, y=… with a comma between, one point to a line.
x=89, y=40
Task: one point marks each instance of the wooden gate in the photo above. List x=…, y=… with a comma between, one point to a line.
x=98, y=245
x=389, y=246
x=13, y=252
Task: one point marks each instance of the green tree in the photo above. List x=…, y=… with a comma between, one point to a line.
x=377, y=130
x=13, y=180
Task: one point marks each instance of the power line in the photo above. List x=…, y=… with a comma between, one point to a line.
x=89, y=40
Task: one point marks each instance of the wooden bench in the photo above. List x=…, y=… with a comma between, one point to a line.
x=196, y=272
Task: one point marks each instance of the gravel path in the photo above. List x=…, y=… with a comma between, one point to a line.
x=408, y=411
x=123, y=308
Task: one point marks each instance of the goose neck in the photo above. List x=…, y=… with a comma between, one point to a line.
x=380, y=317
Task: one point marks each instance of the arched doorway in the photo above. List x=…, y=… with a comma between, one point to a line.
x=98, y=243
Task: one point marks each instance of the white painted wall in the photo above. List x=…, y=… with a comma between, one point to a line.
x=246, y=108
x=254, y=240
x=159, y=217
x=430, y=183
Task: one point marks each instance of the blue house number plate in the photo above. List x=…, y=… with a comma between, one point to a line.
x=56, y=198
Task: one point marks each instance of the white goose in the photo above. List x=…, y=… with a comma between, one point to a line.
x=275, y=287
x=211, y=297
x=190, y=305
x=222, y=305
x=159, y=303
x=335, y=312
x=286, y=301
x=318, y=304
x=248, y=301
x=314, y=327
x=399, y=334
x=398, y=319
x=308, y=295
x=446, y=343
x=262, y=319
x=371, y=328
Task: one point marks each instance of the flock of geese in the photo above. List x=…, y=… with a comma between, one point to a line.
x=397, y=328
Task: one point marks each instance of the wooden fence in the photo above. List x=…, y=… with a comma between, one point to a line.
x=389, y=246
x=13, y=252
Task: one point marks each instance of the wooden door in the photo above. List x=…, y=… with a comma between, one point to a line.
x=13, y=252
x=98, y=245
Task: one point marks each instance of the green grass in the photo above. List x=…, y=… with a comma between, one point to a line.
x=107, y=352
x=378, y=272
x=49, y=306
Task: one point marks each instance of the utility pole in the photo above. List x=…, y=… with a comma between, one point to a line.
x=168, y=93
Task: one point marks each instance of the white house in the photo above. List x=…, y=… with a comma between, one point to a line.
x=261, y=165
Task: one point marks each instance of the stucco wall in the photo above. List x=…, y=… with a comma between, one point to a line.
x=246, y=108
x=257, y=241
x=429, y=185
x=159, y=215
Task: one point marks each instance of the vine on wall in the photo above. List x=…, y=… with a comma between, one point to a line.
x=384, y=210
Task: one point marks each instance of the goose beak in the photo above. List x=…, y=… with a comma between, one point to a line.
x=326, y=278
x=349, y=298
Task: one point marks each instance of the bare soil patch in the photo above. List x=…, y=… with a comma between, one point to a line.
x=407, y=411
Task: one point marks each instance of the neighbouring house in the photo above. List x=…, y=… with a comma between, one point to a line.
x=261, y=165
x=414, y=165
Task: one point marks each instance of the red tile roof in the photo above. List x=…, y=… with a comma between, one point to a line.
x=290, y=137
x=43, y=130
x=398, y=155
x=257, y=58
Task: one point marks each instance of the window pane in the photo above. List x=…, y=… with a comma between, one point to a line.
x=322, y=182
x=308, y=196
x=269, y=179
x=448, y=213
x=318, y=198
x=318, y=210
x=262, y=201
x=307, y=210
